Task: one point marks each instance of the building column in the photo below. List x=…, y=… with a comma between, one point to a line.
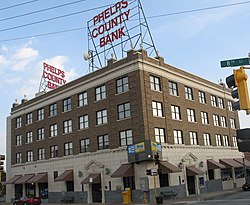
x=37, y=189
x=103, y=187
x=197, y=184
x=89, y=193
x=234, y=179
x=185, y=178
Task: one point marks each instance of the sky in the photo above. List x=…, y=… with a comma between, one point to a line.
x=192, y=35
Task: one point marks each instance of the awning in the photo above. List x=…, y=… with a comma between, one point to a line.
x=65, y=176
x=229, y=163
x=24, y=179
x=212, y=164
x=125, y=170
x=13, y=179
x=167, y=167
x=39, y=178
x=192, y=170
x=92, y=178
x=240, y=160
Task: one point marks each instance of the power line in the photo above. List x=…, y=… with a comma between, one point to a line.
x=150, y=17
x=16, y=5
x=39, y=11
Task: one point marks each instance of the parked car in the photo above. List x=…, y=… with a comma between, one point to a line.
x=246, y=187
x=24, y=200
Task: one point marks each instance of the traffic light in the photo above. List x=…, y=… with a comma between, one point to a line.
x=238, y=81
x=148, y=172
x=156, y=158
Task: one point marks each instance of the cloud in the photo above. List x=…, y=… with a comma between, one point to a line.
x=57, y=61
x=3, y=61
x=26, y=53
x=12, y=80
x=71, y=74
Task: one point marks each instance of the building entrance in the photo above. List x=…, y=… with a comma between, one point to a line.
x=97, y=193
x=191, y=184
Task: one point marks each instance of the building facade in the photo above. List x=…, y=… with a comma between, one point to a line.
x=74, y=140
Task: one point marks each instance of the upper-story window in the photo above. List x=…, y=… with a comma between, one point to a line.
x=155, y=83
x=101, y=117
x=216, y=120
x=157, y=109
x=30, y=156
x=230, y=105
x=19, y=158
x=176, y=114
x=178, y=138
x=207, y=139
x=40, y=134
x=103, y=142
x=213, y=101
x=82, y=99
x=53, y=130
x=29, y=137
x=189, y=93
x=124, y=111
x=232, y=123
x=160, y=135
x=18, y=122
x=126, y=137
x=173, y=88
x=100, y=93
x=234, y=140
x=84, y=145
x=67, y=126
x=193, y=138
x=221, y=103
x=191, y=115
x=67, y=105
x=41, y=153
x=122, y=85
x=40, y=114
x=225, y=140
x=53, y=151
x=202, y=97
x=19, y=140
x=204, y=118
x=68, y=149
x=53, y=110
x=223, y=121
x=29, y=118
x=83, y=122
x=218, y=140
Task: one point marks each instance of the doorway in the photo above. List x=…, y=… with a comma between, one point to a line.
x=97, y=193
x=191, y=184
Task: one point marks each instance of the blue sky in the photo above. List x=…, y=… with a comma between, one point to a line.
x=193, y=41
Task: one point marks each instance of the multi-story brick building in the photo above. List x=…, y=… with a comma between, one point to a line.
x=73, y=140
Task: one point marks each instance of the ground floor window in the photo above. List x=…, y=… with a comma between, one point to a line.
x=226, y=174
x=129, y=182
x=70, y=185
x=239, y=173
x=30, y=189
x=43, y=190
x=211, y=174
x=18, y=190
x=164, y=180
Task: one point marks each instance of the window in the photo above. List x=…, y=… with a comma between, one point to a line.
x=126, y=137
x=202, y=97
x=157, y=109
x=216, y=120
x=53, y=110
x=207, y=140
x=193, y=138
x=155, y=83
x=29, y=137
x=67, y=126
x=83, y=122
x=40, y=114
x=40, y=134
x=160, y=135
x=230, y=106
x=54, y=151
x=67, y=105
x=189, y=93
x=223, y=121
x=100, y=93
x=18, y=140
x=221, y=103
x=101, y=117
x=232, y=123
x=18, y=122
x=19, y=158
x=213, y=101
x=29, y=118
x=68, y=148
x=82, y=99
x=124, y=111
x=218, y=140
x=173, y=88
x=30, y=156
x=234, y=142
x=191, y=115
x=175, y=110
x=53, y=130
x=225, y=140
x=84, y=145
x=178, y=139
x=103, y=142
x=41, y=154
x=122, y=85
x=204, y=118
